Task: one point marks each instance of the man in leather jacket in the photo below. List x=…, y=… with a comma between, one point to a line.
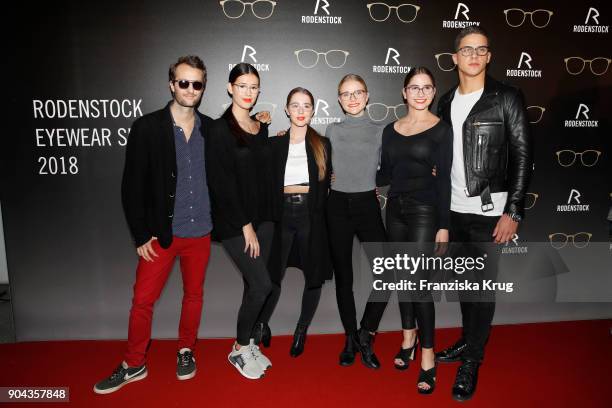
x=489, y=177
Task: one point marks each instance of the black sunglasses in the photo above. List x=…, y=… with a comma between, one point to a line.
x=184, y=84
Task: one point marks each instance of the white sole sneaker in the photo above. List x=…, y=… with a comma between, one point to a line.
x=263, y=361
x=117, y=388
x=187, y=376
x=241, y=371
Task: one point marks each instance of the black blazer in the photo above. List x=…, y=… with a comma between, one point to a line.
x=239, y=179
x=148, y=186
x=317, y=267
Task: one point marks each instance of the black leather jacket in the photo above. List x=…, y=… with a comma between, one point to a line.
x=496, y=144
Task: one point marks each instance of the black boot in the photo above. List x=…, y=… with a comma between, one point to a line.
x=262, y=334
x=366, y=348
x=453, y=353
x=465, y=381
x=299, y=340
x=347, y=356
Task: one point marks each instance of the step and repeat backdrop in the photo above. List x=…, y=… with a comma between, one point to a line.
x=82, y=72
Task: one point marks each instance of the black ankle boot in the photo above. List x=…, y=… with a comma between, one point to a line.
x=453, y=353
x=347, y=356
x=262, y=334
x=299, y=340
x=366, y=348
x=465, y=381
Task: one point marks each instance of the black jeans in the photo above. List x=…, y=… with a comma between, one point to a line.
x=256, y=278
x=474, y=234
x=350, y=214
x=295, y=227
x=409, y=220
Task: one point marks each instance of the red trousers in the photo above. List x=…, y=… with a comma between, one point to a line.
x=151, y=278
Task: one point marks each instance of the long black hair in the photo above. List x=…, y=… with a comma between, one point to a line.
x=240, y=69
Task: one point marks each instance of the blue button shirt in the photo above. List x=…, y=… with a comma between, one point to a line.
x=191, y=203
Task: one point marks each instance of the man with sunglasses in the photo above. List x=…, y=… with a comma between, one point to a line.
x=489, y=177
x=167, y=207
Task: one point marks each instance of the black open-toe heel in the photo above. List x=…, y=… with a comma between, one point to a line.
x=405, y=355
x=428, y=377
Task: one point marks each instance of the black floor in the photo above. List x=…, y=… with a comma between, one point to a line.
x=7, y=332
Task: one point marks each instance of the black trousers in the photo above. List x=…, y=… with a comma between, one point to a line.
x=473, y=233
x=295, y=227
x=256, y=278
x=350, y=214
x=409, y=220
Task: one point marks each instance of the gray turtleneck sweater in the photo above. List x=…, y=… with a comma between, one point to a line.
x=356, y=145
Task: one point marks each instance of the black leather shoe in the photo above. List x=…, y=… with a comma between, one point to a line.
x=299, y=340
x=347, y=356
x=465, y=382
x=366, y=348
x=262, y=334
x=453, y=353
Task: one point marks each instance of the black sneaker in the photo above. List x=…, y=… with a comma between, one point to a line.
x=185, y=364
x=121, y=376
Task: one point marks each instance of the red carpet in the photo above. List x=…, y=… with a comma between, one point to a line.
x=567, y=364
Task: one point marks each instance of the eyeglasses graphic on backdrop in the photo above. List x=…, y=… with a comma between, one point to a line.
x=379, y=111
x=406, y=13
x=530, y=200
x=559, y=240
x=445, y=61
x=261, y=9
x=535, y=113
x=259, y=107
x=598, y=65
x=308, y=58
x=588, y=158
x=540, y=18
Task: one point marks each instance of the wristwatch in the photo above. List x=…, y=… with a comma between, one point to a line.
x=514, y=216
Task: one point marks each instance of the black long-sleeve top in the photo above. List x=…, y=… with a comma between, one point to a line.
x=407, y=162
x=241, y=180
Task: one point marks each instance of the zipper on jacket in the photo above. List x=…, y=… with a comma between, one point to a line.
x=486, y=123
x=479, y=153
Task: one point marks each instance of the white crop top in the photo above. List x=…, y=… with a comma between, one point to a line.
x=296, y=169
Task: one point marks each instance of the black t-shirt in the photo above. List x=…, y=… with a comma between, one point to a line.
x=407, y=162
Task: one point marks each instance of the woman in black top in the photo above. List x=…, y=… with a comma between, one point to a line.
x=302, y=168
x=418, y=207
x=240, y=179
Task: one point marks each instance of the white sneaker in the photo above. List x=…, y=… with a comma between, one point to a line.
x=262, y=360
x=245, y=362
